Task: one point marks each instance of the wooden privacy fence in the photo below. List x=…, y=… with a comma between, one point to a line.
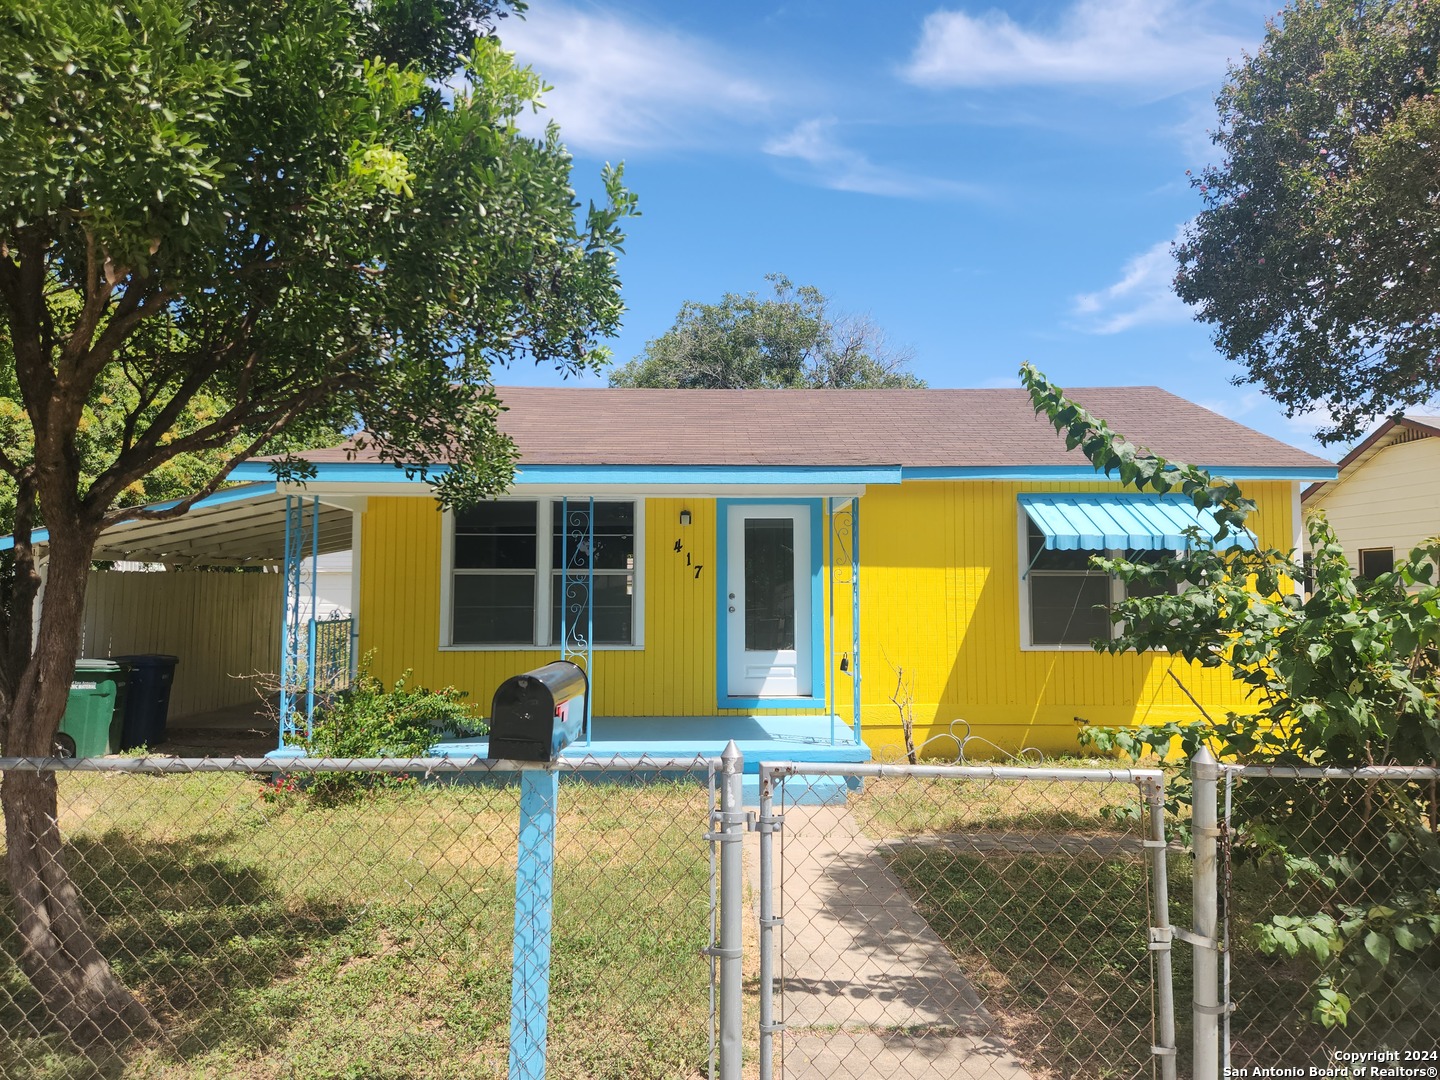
x=224, y=627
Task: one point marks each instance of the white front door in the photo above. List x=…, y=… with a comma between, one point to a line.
x=768, y=603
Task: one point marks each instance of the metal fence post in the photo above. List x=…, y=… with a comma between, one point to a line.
x=1161, y=935
x=534, y=914
x=767, y=825
x=732, y=837
x=1205, y=773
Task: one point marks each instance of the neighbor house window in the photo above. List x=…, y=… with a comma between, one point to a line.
x=1068, y=601
x=1376, y=561
x=507, y=588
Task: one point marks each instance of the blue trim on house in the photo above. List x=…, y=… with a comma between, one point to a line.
x=355, y=472
x=372, y=472
x=220, y=498
x=714, y=474
x=724, y=700
x=1085, y=472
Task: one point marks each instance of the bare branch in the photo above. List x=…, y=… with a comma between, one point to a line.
x=276, y=425
x=138, y=303
x=13, y=467
x=99, y=288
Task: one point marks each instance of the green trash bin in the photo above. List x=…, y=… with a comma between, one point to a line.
x=90, y=727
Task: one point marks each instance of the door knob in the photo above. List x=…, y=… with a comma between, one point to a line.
x=732, y=596
x=732, y=607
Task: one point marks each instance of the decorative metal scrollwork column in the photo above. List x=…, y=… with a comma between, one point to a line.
x=577, y=590
x=297, y=636
x=842, y=524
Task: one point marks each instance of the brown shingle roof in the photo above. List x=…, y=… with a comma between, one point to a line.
x=912, y=428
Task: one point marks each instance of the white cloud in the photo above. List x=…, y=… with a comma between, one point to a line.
x=621, y=85
x=1159, y=45
x=839, y=167
x=1143, y=296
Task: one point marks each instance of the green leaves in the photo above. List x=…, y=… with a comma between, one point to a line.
x=788, y=341
x=305, y=226
x=1313, y=256
x=1332, y=1008
x=1346, y=676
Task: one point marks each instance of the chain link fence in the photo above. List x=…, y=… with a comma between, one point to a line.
x=969, y=922
x=1330, y=880
x=356, y=919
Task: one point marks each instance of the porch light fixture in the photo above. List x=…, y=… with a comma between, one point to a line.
x=684, y=517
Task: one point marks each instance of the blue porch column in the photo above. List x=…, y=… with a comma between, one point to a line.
x=577, y=593
x=297, y=635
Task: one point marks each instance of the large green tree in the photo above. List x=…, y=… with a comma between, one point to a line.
x=278, y=217
x=788, y=340
x=1317, y=256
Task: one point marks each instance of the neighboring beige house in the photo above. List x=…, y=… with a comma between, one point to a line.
x=1387, y=496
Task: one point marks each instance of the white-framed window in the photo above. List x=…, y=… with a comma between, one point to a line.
x=1065, y=602
x=505, y=582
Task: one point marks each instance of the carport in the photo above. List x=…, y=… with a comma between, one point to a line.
x=255, y=612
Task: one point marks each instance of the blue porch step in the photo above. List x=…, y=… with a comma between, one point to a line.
x=760, y=738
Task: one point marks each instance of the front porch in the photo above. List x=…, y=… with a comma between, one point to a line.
x=760, y=738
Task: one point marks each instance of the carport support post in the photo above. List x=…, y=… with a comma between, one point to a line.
x=731, y=835
x=534, y=905
x=1205, y=774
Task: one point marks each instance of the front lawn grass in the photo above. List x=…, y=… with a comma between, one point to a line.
x=275, y=938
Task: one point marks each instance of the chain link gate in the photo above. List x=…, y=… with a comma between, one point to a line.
x=963, y=921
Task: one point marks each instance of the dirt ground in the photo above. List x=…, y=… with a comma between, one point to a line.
x=239, y=731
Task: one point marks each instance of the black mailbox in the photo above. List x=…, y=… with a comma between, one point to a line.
x=532, y=718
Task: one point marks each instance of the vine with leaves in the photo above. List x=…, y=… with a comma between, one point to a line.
x=1344, y=675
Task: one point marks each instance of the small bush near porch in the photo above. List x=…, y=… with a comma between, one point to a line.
x=277, y=938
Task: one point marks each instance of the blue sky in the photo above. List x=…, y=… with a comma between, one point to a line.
x=991, y=182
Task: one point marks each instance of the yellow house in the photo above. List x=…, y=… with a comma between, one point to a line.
x=767, y=563
x=1386, y=498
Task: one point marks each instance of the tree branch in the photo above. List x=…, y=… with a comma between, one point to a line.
x=98, y=290
x=276, y=425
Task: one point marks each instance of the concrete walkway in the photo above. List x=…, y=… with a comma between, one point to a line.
x=869, y=990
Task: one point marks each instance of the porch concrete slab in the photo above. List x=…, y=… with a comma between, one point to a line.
x=868, y=988
x=760, y=738
x=249, y=730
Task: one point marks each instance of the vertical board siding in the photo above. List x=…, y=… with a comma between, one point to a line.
x=225, y=628
x=939, y=598
x=673, y=674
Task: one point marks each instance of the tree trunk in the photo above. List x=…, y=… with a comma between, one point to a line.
x=57, y=950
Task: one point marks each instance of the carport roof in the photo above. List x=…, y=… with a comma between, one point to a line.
x=240, y=526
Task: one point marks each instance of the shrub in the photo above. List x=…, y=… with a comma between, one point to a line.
x=370, y=720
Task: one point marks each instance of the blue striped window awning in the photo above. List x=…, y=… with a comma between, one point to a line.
x=1096, y=521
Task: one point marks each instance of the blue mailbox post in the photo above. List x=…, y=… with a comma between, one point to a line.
x=532, y=718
